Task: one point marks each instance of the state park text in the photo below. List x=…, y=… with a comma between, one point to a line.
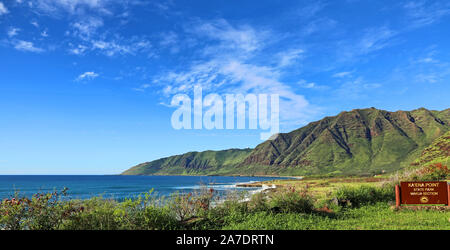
x=423, y=193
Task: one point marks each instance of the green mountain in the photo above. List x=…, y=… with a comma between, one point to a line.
x=193, y=163
x=437, y=152
x=361, y=141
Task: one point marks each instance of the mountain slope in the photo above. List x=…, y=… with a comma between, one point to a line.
x=192, y=163
x=361, y=141
x=437, y=152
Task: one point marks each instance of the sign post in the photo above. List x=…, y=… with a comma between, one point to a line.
x=422, y=193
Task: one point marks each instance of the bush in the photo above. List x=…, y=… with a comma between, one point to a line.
x=97, y=214
x=363, y=195
x=12, y=213
x=258, y=202
x=159, y=218
x=49, y=212
x=41, y=212
x=189, y=205
x=433, y=172
x=290, y=200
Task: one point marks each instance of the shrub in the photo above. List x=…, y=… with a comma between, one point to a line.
x=97, y=214
x=432, y=172
x=258, y=202
x=159, y=218
x=12, y=213
x=363, y=195
x=185, y=206
x=49, y=211
x=290, y=200
x=41, y=212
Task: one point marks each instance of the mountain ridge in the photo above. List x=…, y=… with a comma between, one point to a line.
x=360, y=141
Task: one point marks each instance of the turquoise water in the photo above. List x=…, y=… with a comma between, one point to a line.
x=116, y=186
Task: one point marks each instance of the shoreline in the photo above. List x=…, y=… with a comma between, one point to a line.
x=249, y=193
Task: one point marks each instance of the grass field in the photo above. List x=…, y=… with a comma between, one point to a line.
x=377, y=216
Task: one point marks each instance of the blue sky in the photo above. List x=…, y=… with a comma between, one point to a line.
x=85, y=84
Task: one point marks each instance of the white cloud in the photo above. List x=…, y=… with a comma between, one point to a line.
x=235, y=76
x=427, y=60
x=35, y=24
x=44, y=33
x=369, y=41
x=87, y=76
x=342, y=74
x=57, y=7
x=356, y=89
x=85, y=28
x=116, y=46
x=310, y=10
x=321, y=24
x=3, y=9
x=13, y=31
x=243, y=38
x=422, y=13
x=311, y=85
x=78, y=50
x=142, y=87
x=169, y=38
x=112, y=48
x=26, y=46
x=287, y=58
x=375, y=39
x=226, y=64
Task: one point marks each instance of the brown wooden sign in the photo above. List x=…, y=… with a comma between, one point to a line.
x=424, y=193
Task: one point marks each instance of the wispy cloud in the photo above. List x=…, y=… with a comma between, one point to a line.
x=369, y=41
x=142, y=87
x=78, y=50
x=357, y=88
x=74, y=7
x=86, y=27
x=236, y=76
x=287, y=58
x=120, y=47
x=375, y=39
x=320, y=24
x=422, y=13
x=90, y=75
x=227, y=64
x=44, y=33
x=311, y=85
x=310, y=10
x=170, y=40
x=13, y=32
x=35, y=24
x=3, y=9
x=342, y=74
x=243, y=37
x=26, y=46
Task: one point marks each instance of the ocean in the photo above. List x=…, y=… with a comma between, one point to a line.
x=117, y=186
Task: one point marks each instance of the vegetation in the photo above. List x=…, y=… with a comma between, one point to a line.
x=327, y=203
x=432, y=164
x=363, y=142
x=192, y=163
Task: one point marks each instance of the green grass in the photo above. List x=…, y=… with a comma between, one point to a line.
x=370, y=217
